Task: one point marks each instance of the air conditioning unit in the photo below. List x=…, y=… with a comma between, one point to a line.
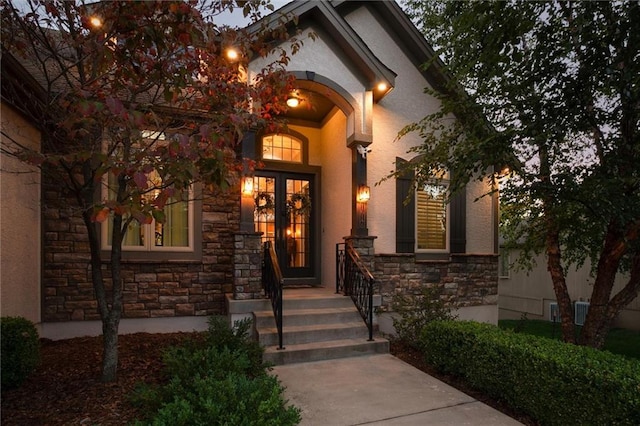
x=554, y=312
x=580, y=310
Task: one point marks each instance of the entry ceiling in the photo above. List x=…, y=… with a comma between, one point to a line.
x=313, y=106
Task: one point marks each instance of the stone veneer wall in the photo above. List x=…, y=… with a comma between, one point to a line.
x=464, y=280
x=151, y=288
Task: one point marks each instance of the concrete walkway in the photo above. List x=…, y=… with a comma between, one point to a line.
x=379, y=390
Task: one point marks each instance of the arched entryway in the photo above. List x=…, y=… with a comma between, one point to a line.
x=304, y=193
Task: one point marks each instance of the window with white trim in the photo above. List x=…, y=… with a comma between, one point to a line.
x=173, y=234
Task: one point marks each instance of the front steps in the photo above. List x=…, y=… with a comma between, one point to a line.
x=318, y=325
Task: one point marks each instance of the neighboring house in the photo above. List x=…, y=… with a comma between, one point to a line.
x=364, y=80
x=531, y=293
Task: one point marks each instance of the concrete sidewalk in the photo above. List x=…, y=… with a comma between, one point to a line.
x=379, y=390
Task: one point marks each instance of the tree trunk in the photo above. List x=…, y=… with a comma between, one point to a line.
x=600, y=318
x=110, y=348
x=554, y=265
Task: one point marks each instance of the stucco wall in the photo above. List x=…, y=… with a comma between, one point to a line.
x=531, y=292
x=323, y=57
x=405, y=104
x=20, y=219
x=327, y=149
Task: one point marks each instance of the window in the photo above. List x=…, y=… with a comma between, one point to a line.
x=424, y=223
x=504, y=263
x=281, y=147
x=174, y=234
x=431, y=216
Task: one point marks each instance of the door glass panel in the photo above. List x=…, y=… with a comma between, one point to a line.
x=298, y=203
x=264, y=217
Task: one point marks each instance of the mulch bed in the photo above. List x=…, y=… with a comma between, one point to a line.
x=66, y=388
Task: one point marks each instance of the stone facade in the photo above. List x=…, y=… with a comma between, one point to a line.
x=159, y=288
x=463, y=281
x=247, y=260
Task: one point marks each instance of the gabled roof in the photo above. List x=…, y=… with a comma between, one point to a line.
x=330, y=15
x=323, y=13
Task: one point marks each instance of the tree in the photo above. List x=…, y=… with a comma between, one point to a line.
x=142, y=98
x=550, y=90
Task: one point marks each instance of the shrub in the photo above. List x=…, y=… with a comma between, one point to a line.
x=554, y=382
x=415, y=312
x=20, y=350
x=219, y=381
x=234, y=400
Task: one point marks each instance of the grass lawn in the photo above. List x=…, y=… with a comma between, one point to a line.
x=619, y=341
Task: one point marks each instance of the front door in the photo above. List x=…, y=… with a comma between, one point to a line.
x=284, y=214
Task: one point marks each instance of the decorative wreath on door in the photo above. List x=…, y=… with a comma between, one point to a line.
x=264, y=203
x=299, y=204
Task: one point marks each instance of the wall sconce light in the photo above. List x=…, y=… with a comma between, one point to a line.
x=247, y=185
x=364, y=194
x=293, y=102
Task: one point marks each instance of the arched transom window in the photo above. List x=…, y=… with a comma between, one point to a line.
x=282, y=147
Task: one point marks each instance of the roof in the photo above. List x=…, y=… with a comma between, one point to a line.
x=331, y=16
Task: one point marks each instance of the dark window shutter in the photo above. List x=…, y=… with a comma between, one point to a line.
x=458, y=226
x=405, y=214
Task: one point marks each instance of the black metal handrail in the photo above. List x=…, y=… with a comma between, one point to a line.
x=354, y=279
x=272, y=282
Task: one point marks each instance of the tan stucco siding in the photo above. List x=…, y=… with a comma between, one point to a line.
x=531, y=292
x=406, y=103
x=322, y=57
x=20, y=220
x=336, y=192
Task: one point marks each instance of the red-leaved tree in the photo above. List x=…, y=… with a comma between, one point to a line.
x=140, y=97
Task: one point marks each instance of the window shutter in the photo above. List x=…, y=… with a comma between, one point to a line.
x=405, y=214
x=458, y=226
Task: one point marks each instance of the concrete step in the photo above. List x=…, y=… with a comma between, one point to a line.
x=297, y=334
x=318, y=325
x=316, y=302
x=317, y=351
x=264, y=319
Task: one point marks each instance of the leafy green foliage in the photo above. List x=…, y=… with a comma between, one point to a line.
x=551, y=91
x=221, y=380
x=554, y=382
x=416, y=311
x=20, y=350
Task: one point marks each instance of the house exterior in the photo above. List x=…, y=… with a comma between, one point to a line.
x=357, y=84
x=531, y=293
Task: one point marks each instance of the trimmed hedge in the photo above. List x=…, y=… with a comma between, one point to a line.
x=20, y=350
x=554, y=382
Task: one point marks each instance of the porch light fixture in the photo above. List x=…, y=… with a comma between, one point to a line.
x=247, y=186
x=382, y=86
x=96, y=21
x=293, y=102
x=232, y=54
x=364, y=194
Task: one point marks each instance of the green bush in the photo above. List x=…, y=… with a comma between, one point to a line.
x=416, y=311
x=219, y=381
x=20, y=350
x=234, y=400
x=554, y=382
